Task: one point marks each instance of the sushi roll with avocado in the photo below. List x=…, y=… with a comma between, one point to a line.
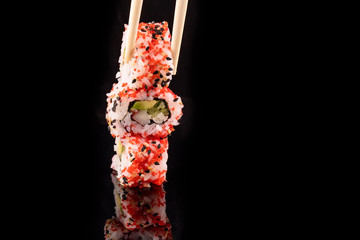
x=140, y=161
x=139, y=207
x=114, y=230
x=151, y=63
x=146, y=112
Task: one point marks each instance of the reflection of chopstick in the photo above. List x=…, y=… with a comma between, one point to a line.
x=134, y=18
x=177, y=32
x=178, y=28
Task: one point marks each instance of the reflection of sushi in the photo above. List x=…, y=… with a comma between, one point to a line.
x=140, y=161
x=114, y=230
x=139, y=207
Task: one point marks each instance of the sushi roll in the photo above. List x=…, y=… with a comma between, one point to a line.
x=140, y=161
x=146, y=112
x=114, y=230
x=139, y=207
x=151, y=63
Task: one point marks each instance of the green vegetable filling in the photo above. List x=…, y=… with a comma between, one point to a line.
x=152, y=107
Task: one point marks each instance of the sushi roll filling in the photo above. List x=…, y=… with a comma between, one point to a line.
x=147, y=112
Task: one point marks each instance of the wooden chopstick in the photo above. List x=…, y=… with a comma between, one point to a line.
x=178, y=29
x=134, y=18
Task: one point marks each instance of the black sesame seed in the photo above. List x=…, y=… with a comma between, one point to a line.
x=170, y=69
x=147, y=48
x=156, y=72
x=168, y=74
x=155, y=214
x=175, y=99
x=125, y=179
x=168, y=58
x=133, y=81
x=147, y=170
x=143, y=148
x=149, y=151
x=114, y=106
x=156, y=163
x=143, y=30
x=156, y=82
x=159, y=146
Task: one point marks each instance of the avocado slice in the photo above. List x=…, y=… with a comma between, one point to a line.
x=159, y=107
x=120, y=149
x=118, y=203
x=153, y=111
x=165, y=111
x=144, y=105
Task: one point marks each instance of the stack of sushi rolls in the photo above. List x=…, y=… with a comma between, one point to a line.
x=141, y=113
x=142, y=110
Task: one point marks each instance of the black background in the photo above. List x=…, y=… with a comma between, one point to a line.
x=64, y=57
